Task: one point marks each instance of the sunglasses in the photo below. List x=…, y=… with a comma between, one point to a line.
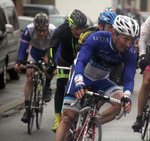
x=41, y=29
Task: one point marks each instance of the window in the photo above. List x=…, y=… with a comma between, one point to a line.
x=12, y=17
x=30, y=11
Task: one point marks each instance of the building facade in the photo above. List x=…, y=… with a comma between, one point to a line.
x=142, y=5
x=99, y=5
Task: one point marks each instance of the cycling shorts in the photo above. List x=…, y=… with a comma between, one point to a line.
x=106, y=85
x=35, y=55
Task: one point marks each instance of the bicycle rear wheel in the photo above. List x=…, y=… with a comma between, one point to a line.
x=40, y=107
x=145, y=124
x=31, y=110
x=92, y=131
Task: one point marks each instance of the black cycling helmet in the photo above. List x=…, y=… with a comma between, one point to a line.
x=41, y=21
x=77, y=19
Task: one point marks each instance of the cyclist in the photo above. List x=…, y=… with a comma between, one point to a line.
x=101, y=52
x=144, y=61
x=67, y=36
x=105, y=21
x=116, y=74
x=110, y=9
x=38, y=34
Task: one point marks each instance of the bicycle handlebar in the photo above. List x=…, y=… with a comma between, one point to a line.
x=102, y=97
x=36, y=65
x=106, y=99
x=32, y=63
x=64, y=68
x=122, y=112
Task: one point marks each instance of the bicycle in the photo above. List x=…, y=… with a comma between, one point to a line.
x=88, y=126
x=145, y=130
x=36, y=102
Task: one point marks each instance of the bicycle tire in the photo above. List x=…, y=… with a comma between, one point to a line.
x=31, y=110
x=145, y=122
x=40, y=108
x=93, y=131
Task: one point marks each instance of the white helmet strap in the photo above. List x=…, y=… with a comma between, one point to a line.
x=115, y=41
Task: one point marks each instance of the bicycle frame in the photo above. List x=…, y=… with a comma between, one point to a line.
x=38, y=78
x=36, y=95
x=89, y=110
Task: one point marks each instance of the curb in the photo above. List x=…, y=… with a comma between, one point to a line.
x=11, y=105
x=6, y=108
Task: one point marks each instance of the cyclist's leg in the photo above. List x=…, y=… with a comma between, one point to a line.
x=110, y=89
x=59, y=96
x=110, y=113
x=27, y=87
x=27, y=93
x=68, y=118
x=144, y=92
x=47, y=91
x=62, y=78
x=69, y=114
x=142, y=98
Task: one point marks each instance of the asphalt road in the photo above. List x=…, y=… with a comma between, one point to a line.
x=12, y=129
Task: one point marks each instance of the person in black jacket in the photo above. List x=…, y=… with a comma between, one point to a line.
x=66, y=35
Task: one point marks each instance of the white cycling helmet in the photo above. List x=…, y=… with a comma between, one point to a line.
x=126, y=25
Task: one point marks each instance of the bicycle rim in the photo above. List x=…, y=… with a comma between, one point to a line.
x=31, y=110
x=39, y=112
x=144, y=132
x=92, y=131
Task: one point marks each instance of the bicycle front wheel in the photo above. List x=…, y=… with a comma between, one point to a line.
x=92, y=131
x=31, y=110
x=40, y=107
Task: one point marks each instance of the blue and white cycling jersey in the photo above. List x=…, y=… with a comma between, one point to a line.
x=98, y=57
x=38, y=46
